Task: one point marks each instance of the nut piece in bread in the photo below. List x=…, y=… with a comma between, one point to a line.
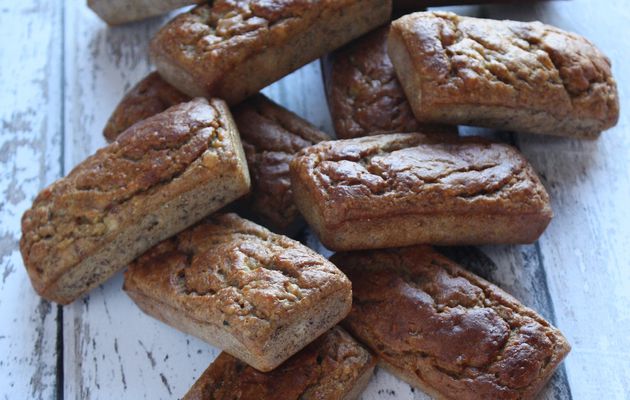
x=401, y=189
x=446, y=330
x=522, y=76
x=364, y=95
x=332, y=367
x=159, y=177
x=233, y=48
x=116, y=12
x=259, y=296
x=271, y=135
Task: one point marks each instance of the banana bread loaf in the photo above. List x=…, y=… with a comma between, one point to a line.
x=157, y=178
x=259, y=296
x=522, y=76
x=233, y=48
x=150, y=96
x=271, y=135
x=401, y=189
x=116, y=12
x=363, y=93
x=333, y=367
x=446, y=330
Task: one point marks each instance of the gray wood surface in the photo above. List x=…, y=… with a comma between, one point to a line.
x=30, y=158
x=63, y=71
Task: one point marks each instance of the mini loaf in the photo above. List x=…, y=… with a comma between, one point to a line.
x=271, y=135
x=446, y=330
x=116, y=12
x=150, y=96
x=159, y=177
x=259, y=296
x=402, y=189
x=233, y=48
x=522, y=76
x=363, y=93
x=333, y=367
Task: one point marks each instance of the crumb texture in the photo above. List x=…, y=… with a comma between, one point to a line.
x=454, y=332
x=271, y=136
x=514, y=64
x=326, y=369
x=229, y=271
x=70, y=219
x=411, y=173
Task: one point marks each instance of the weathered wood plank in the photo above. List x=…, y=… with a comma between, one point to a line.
x=30, y=149
x=587, y=246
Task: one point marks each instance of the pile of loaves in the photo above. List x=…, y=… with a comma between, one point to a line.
x=196, y=137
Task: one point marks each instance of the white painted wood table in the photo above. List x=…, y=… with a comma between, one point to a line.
x=62, y=71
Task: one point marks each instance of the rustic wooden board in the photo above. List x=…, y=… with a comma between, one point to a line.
x=30, y=144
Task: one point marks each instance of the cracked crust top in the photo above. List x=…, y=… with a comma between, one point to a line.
x=150, y=96
x=231, y=272
x=211, y=40
x=75, y=216
x=378, y=176
x=457, y=334
x=364, y=94
x=328, y=368
x=271, y=136
x=517, y=65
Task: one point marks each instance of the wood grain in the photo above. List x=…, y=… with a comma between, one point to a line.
x=30, y=154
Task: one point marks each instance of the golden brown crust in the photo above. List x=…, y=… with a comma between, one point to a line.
x=234, y=274
x=328, y=368
x=150, y=96
x=525, y=76
x=364, y=94
x=383, y=177
x=271, y=136
x=149, y=165
x=234, y=48
x=447, y=330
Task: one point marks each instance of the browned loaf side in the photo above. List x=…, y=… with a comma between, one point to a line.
x=522, y=76
x=271, y=135
x=259, y=296
x=401, y=189
x=233, y=48
x=333, y=367
x=116, y=12
x=159, y=177
x=446, y=330
x=364, y=95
